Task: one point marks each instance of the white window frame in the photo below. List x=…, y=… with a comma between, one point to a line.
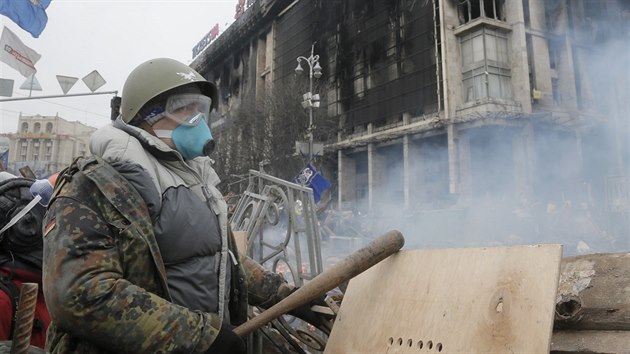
x=486, y=70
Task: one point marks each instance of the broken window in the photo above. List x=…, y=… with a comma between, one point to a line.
x=469, y=10
x=555, y=90
x=359, y=77
x=48, y=150
x=555, y=46
x=35, y=150
x=23, y=150
x=486, y=68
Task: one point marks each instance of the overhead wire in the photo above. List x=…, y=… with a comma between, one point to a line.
x=62, y=105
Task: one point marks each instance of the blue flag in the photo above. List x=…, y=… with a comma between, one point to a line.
x=310, y=177
x=28, y=14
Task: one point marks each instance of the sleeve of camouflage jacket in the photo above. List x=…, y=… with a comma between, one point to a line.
x=88, y=294
x=264, y=288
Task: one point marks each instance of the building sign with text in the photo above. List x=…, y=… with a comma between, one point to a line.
x=241, y=6
x=206, y=40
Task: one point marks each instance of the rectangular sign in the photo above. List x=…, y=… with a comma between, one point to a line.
x=206, y=40
x=6, y=87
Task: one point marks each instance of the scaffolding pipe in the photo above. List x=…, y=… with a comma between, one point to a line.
x=58, y=96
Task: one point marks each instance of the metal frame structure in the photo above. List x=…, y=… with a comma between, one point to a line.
x=280, y=220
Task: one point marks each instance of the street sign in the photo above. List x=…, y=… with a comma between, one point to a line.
x=310, y=100
x=94, y=80
x=6, y=87
x=302, y=148
x=31, y=84
x=66, y=82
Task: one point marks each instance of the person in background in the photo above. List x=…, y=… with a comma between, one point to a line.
x=138, y=255
x=20, y=254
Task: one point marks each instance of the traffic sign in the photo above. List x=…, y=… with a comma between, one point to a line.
x=302, y=148
x=31, y=84
x=6, y=87
x=66, y=82
x=94, y=80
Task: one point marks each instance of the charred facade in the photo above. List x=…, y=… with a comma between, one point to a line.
x=505, y=120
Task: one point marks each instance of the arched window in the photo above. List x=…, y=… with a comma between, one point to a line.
x=24, y=128
x=37, y=127
x=49, y=127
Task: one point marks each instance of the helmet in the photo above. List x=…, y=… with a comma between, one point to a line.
x=156, y=76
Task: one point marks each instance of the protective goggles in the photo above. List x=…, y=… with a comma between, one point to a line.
x=185, y=109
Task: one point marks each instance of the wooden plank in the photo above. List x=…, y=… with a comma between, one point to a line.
x=27, y=172
x=590, y=342
x=479, y=300
x=593, y=292
x=241, y=241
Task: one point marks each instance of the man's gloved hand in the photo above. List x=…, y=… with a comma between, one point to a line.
x=227, y=342
x=305, y=313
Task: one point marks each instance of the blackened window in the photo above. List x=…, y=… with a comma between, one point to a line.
x=469, y=10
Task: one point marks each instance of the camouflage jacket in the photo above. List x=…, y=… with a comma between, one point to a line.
x=104, y=278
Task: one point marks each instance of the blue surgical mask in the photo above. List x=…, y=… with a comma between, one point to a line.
x=190, y=141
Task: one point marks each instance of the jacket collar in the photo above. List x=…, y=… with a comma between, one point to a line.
x=152, y=144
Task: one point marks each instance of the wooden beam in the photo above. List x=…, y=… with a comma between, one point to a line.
x=590, y=342
x=593, y=293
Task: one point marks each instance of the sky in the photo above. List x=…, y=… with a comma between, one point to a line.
x=112, y=37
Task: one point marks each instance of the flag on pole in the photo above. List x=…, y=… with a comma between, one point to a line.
x=310, y=177
x=28, y=14
x=17, y=55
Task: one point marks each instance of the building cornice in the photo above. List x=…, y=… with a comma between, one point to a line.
x=241, y=31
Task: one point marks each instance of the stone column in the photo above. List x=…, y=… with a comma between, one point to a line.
x=540, y=52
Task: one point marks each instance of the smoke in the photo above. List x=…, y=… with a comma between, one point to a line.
x=535, y=180
x=561, y=180
x=546, y=199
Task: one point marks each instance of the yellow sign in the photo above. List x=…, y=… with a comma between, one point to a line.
x=537, y=94
x=33, y=136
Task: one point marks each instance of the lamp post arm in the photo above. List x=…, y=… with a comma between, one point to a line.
x=301, y=58
x=308, y=61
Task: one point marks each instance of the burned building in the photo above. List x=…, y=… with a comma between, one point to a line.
x=502, y=120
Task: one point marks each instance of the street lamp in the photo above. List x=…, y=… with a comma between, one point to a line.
x=310, y=100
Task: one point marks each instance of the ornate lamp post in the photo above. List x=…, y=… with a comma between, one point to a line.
x=310, y=100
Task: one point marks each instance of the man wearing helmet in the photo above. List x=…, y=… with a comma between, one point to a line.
x=137, y=250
